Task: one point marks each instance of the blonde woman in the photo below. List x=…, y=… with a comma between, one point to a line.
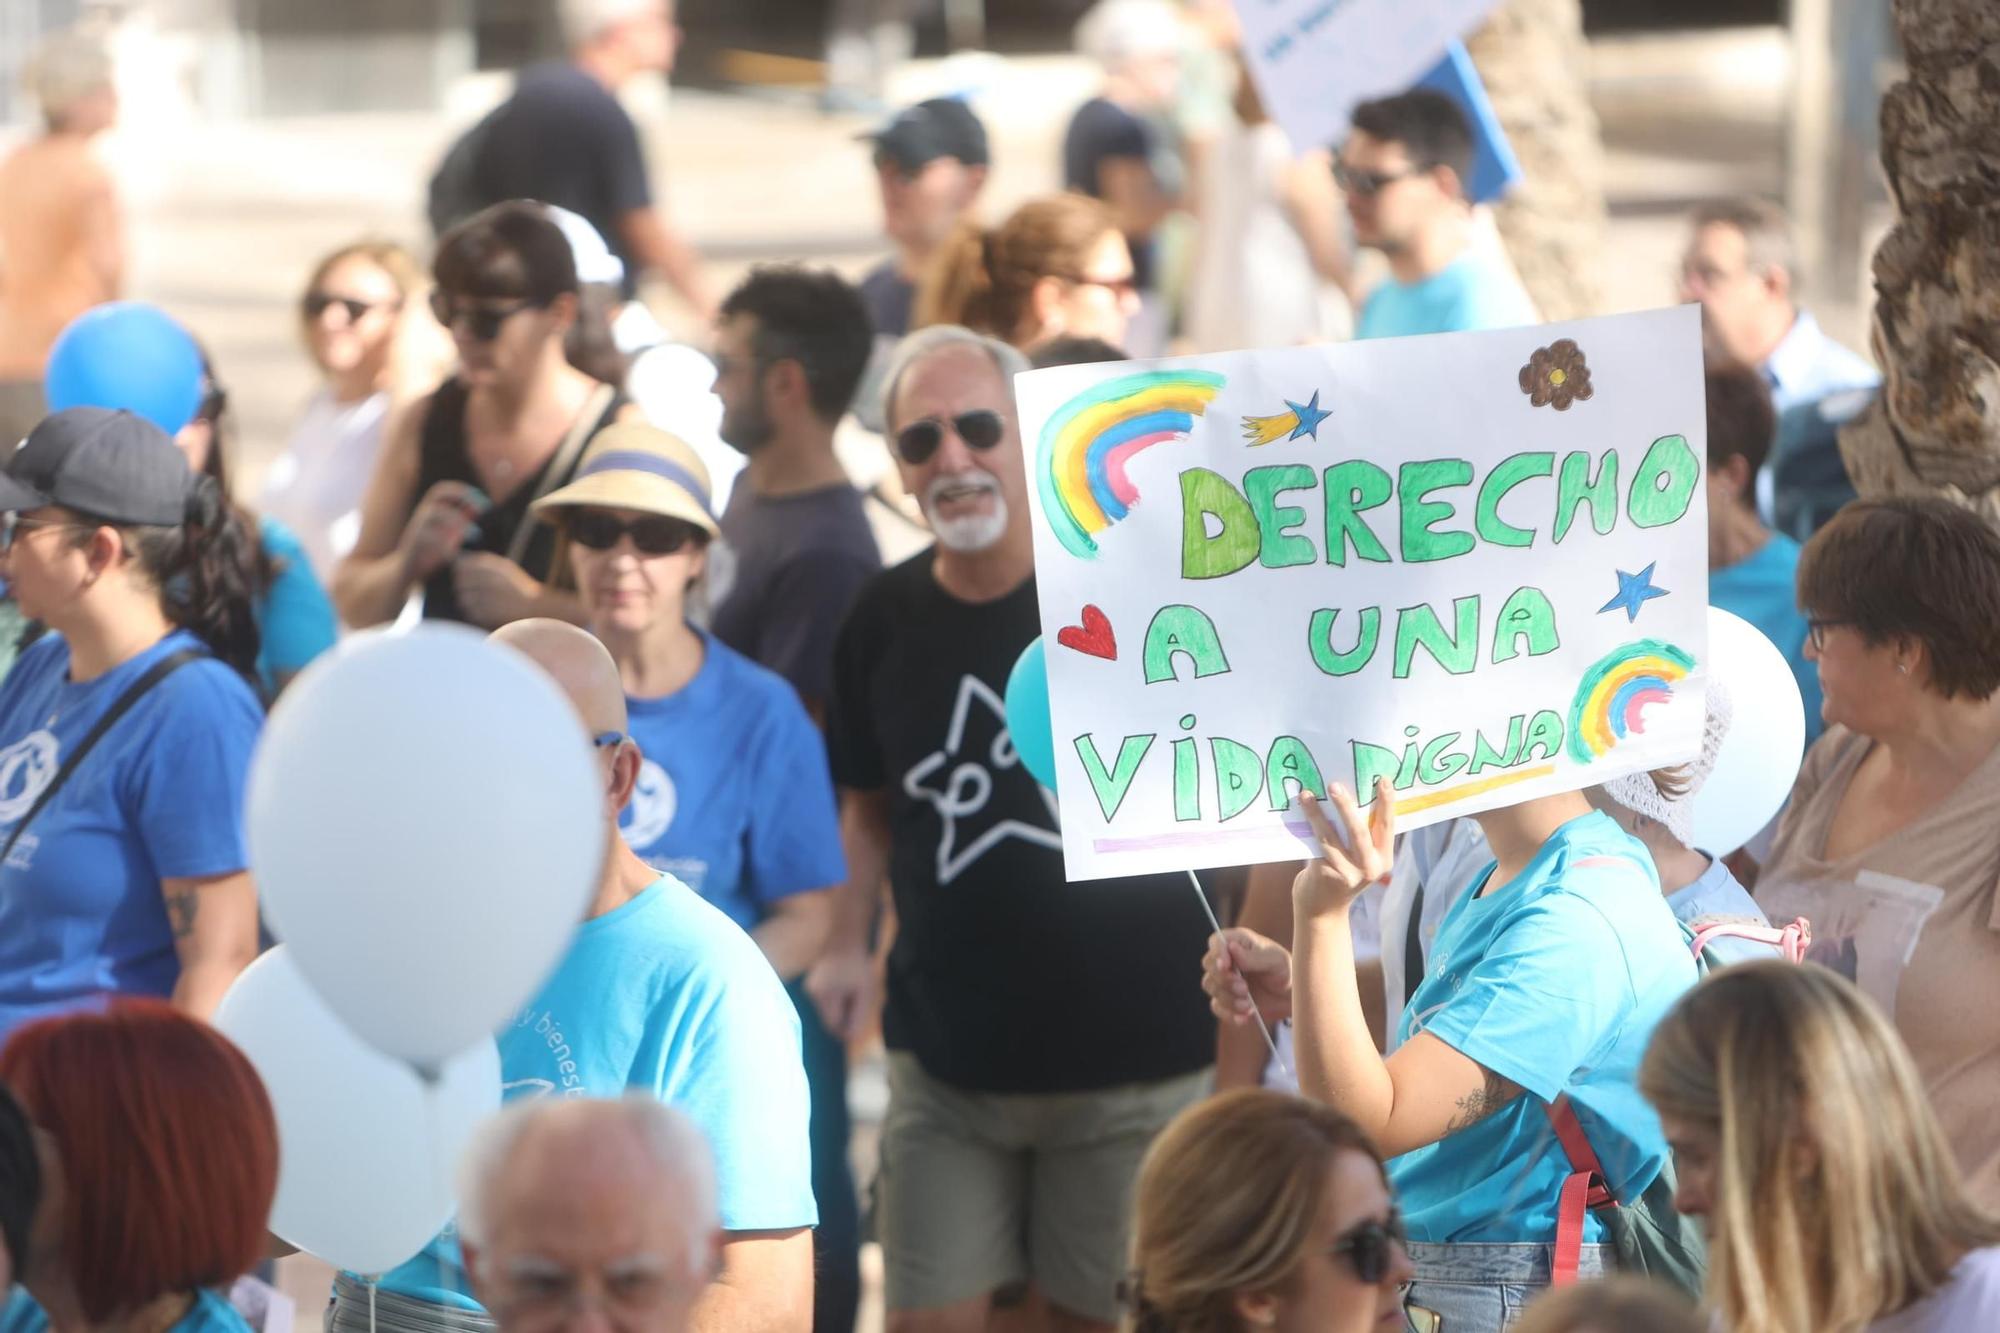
x=362, y=328
x=1260, y=1211
x=1057, y=267
x=1802, y=1136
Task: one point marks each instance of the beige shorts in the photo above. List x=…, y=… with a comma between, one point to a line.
x=977, y=1191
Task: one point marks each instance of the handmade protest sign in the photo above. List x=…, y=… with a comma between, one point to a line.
x=1314, y=59
x=1475, y=564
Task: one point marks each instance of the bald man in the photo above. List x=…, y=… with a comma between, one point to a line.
x=661, y=995
x=589, y=1202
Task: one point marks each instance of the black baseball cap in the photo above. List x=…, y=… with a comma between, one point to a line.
x=940, y=127
x=107, y=464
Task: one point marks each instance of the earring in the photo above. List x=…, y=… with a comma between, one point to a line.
x=1903, y=668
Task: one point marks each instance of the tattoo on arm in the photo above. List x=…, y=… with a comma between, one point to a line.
x=181, y=908
x=1494, y=1093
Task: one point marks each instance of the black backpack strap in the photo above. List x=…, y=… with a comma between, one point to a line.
x=156, y=673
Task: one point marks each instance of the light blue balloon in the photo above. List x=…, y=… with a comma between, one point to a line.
x=126, y=355
x=1028, y=714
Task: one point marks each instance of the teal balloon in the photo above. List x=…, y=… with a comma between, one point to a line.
x=126, y=355
x=1028, y=714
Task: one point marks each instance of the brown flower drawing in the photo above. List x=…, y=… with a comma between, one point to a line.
x=1556, y=376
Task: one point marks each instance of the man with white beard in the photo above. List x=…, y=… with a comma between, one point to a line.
x=1039, y=1033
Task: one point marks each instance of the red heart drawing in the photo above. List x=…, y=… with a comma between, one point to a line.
x=1094, y=636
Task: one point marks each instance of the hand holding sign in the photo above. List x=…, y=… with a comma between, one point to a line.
x=1354, y=853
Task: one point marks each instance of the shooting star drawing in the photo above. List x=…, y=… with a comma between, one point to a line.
x=1300, y=420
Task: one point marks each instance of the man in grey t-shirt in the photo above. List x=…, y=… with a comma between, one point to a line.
x=796, y=548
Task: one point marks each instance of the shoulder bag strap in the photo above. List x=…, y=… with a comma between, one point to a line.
x=158, y=672
x=1584, y=1188
x=580, y=431
x=1791, y=940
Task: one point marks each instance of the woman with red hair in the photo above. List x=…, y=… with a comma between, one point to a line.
x=162, y=1166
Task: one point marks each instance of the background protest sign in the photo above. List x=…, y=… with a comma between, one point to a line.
x=1476, y=564
x=1314, y=59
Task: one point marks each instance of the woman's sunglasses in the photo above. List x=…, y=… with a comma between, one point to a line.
x=981, y=429
x=653, y=535
x=481, y=322
x=318, y=303
x=1371, y=1247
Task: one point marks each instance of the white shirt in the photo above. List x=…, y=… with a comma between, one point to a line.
x=1970, y=1299
x=315, y=486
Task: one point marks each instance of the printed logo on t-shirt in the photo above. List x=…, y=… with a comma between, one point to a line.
x=650, y=813
x=964, y=792
x=1865, y=930
x=26, y=768
x=564, y=1079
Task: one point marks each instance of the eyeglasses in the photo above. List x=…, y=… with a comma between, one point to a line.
x=318, y=303
x=608, y=740
x=1816, y=632
x=482, y=322
x=654, y=534
x=1366, y=184
x=1371, y=1247
x=1127, y=285
x=12, y=525
x=980, y=428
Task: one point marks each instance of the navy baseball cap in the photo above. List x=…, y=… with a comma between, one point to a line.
x=940, y=127
x=108, y=464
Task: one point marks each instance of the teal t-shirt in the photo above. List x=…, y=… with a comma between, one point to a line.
x=668, y=996
x=1554, y=981
x=1764, y=591
x=294, y=617
x=1469, y=294
x=210, y=1313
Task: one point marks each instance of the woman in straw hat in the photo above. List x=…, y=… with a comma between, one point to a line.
x=734, y=796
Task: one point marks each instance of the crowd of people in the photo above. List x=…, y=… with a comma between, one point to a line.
x=1555, y=1067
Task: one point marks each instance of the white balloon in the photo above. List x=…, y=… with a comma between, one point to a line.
x=1760, y=756
x=367, y=1153
x=426, y=824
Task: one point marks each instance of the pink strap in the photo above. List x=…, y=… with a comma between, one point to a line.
x=1791, y=940
x=1582, y=1190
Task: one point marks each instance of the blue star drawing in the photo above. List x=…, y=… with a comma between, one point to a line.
x=1302, y=421
x=1634, y=591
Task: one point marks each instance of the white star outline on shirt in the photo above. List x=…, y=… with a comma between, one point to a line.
x=970, y=785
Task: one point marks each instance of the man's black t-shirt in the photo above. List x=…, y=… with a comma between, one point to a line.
x=1102, y=129
x=564, y=139
x=1004, y=977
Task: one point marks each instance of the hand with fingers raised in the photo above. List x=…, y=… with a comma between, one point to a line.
x=1354, y=850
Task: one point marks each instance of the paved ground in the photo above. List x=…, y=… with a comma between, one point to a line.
x=228, y=218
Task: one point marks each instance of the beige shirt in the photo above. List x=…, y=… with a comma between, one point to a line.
x=59, y=247
x=1915, y=921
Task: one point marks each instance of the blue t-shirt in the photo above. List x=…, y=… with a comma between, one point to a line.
x=1764, y=591
x=210, y=1313
x=1468, y=294
x=294, y=616
x=159, y=798
x=665, y=995
x=734, y=798
x=1554, y=981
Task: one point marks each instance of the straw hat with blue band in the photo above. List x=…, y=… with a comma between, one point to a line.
x=632, y=465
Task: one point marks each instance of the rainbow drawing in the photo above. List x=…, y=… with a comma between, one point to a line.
x=1612, y=697
x=1086, y=447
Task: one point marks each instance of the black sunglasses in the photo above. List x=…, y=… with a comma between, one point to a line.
x=1365, y=183
x=482, y=322
x=980, y=428
x=1816, y=631
x=654, y=534
x=1371, y=1247
x=318, y=303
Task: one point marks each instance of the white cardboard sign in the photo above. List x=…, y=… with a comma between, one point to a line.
x=1314, y=59
x=1475, y=564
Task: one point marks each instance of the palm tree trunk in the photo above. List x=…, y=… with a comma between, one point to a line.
x=1936, y=427
x=1532, y=57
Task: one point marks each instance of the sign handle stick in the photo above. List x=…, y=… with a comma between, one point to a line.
x=1262, y=1026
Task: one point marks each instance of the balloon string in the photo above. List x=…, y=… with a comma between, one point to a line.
x=1255, y=1013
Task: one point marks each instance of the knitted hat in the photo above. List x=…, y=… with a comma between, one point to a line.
x=1637, y=793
